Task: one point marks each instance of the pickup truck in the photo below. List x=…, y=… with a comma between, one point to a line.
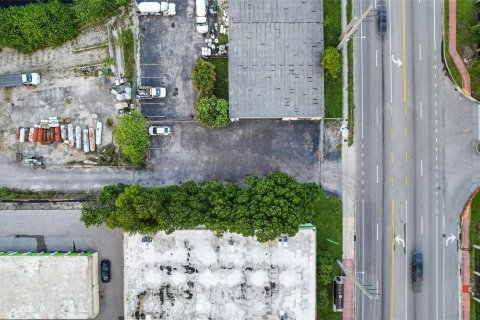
x=15, y=79
x=146, y=92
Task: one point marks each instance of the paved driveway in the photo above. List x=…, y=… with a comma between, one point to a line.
x=169, y=47
x=57, y=230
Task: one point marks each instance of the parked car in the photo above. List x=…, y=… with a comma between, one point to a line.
x=417, y=270
x=159, y=131
x=34, y=160
x=382, y=18
x=105, y=271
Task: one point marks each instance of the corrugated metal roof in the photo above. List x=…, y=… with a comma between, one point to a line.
x=274, y=58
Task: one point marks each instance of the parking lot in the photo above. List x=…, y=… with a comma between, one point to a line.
x=248, y=147
x=61, y=230
x=169, y=47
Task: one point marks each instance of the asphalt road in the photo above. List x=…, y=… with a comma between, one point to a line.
x=411, y=202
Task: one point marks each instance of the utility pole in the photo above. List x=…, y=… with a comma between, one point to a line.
x=352, y=27
x=352, y=277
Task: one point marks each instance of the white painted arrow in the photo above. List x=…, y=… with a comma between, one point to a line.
x=400, y=240
x=397, y=62
x=450, y=239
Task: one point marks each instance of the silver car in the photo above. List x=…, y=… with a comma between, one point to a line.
x=159, y=131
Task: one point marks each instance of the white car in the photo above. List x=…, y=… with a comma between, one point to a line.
x=159, y=131
x=202, y=26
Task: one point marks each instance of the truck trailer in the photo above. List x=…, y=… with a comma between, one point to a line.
x=15, y=79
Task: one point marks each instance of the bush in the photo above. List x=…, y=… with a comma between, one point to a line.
x=222, y=38
x=132, y=137
x=476, y=32
x=88, y=11
x=212, y=112
x=332, y=62
x=265, y=208
x=109, y=122
x=203, y=76
x=37, y=26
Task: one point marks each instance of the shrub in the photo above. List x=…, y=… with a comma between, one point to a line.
x=88, y=11
x=212, y=112
x=476, y=33
x=223, y=38
x=203, y=76
x=37, y=26
x=132, y=137
x=332, y=62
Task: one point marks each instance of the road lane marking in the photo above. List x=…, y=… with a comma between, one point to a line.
x=420, y=51
x=405, y=132
x=406, y=156
x=376, y=58
x=406, y=180
x=390, y=38
x=377, y=234
x=421, y=225
x=376, y=111
x=391, y=180
x=391, y=134
x=434, y=34
x=392, y=277
x=377, y=173
x=421, y=167
x=406, y=259
x=421, y=110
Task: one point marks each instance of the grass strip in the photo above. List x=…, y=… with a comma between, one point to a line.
x=221, y=80
x=332, y=28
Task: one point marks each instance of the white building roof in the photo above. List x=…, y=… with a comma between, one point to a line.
x=48, y=287
x=193, y=274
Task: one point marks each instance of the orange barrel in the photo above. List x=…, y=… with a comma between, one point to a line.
x=17, y=134
x=35, y=135
x=58, y=134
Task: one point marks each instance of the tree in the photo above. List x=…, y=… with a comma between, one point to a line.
x=96, y=212
x=132, y=137
x=203, y=76
x=212, y=112
x=332, y=61
x=476, y=32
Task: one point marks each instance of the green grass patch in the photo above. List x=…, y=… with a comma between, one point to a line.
x=221, y=80
x=332, y=28
x=351, y=104
x=328, y=221
x=126, y=41
x=465, y=42
x=25, y=194
x=474, y=239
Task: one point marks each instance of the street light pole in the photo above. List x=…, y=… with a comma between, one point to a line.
x=349, y=275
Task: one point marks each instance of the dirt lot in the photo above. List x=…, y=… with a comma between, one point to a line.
x=63, y=92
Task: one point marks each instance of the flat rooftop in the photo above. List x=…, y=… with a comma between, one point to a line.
x=36, y=286
x=193, y=274
x=274, y=56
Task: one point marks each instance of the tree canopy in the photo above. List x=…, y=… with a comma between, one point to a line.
x=332, y=61
x=264, y=208
x=212, y=112
x=132, y=137
x=203, y=76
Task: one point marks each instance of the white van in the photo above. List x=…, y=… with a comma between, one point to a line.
x=201, y=8
x=145, y=8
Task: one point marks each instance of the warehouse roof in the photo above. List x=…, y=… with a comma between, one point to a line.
x=48, y=286
x=275, y=51
x=193, y=274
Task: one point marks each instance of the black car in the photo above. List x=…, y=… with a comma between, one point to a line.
x=105, y=271
x=382, y=18
x=417, y=270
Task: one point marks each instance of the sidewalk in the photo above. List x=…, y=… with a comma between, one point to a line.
x=452, y=46
x=465, y=260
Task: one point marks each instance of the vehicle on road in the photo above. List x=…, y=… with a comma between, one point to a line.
x=382, y=18
x=159, y=131
x=147, y=92
x=105, y=271
x=16, y=79
x=417, y=270
x=145, y=8
x=201, y=11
